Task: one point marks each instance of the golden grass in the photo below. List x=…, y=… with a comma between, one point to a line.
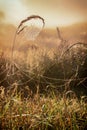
x=20, y=108
x=41, y=112
x=42, y=89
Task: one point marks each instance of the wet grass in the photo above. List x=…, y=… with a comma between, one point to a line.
x=47, y=91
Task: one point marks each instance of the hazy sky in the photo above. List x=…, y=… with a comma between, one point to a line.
x=55, y=12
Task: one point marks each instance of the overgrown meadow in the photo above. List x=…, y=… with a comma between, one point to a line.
x=43, y=88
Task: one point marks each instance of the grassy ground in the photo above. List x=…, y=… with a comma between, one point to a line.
x=44, y=90
x=40, y=112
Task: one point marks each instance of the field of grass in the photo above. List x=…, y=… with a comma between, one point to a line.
x=40, y=112
x=45, y=90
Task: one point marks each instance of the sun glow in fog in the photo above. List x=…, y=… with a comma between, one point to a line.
x=58, y=13
x=62, y=21
x=50, y=21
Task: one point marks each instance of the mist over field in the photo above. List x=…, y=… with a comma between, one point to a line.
x=43, y=65
x=48, y=37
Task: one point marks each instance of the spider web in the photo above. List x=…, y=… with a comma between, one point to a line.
x=30, y=28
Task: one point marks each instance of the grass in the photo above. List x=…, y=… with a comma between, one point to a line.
x=41, y=112
x=43, y=93
x=44, y=89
